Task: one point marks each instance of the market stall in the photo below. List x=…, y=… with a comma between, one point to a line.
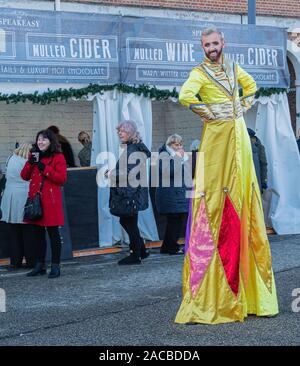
x=120, y=65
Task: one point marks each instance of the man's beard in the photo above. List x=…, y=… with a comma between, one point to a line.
x=215, y=57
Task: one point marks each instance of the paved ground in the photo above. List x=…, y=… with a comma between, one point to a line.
x=96, y=302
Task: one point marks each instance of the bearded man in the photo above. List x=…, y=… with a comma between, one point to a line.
x=227, y=270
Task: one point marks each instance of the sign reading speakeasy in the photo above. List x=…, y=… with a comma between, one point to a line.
x=65, y=47
x=47, y=47
x=163, y=51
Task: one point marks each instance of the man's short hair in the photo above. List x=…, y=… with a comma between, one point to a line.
x=210, y=30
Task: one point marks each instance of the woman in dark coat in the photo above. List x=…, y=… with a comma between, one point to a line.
x=65, y=145
x=171, y=197
x=259, y=160
x=47, y=162
x=129, y=192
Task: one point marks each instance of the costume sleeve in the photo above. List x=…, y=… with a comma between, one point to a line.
x=249, y=88
x=188, y=92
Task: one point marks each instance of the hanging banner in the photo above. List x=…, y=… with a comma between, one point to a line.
x=163, y=51
x=65, y=47
x=62, y=47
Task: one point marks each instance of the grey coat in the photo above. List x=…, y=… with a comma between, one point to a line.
x=15, y=192
x=84, y=155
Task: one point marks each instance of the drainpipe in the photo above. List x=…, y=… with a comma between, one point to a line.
x=251, y=11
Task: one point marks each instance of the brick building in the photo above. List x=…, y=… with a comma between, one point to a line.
x=168, y=117
x=289, y=8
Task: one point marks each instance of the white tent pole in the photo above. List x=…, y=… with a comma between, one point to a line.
x=57, y=5
x=297, y=83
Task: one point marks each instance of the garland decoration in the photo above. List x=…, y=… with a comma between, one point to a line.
x=147, y=91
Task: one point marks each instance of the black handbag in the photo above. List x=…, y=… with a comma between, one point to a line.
x=33, y=209
x=122, y=204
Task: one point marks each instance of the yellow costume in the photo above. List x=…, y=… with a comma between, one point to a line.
x=227, y=271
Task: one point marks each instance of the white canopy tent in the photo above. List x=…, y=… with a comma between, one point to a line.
x=271, y=120
x=270, y=117
x=110, y=108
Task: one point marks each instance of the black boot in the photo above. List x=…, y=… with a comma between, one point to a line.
x=39, y=269
x=55, y=271
x=131, y=259
x=144, y=253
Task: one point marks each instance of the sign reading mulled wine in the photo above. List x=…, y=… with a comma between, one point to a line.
x=66, y=47
x=163, y=51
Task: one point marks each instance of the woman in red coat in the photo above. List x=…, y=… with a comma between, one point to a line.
x=46, y=160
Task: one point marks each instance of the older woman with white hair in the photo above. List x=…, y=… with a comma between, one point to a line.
x=129, y=191
x=12, y=206
x=171, y=195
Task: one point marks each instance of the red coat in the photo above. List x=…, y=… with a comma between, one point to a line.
x=56, y=175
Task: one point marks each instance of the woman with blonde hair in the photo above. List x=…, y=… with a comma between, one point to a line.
x=12, y=207
x=84, y=155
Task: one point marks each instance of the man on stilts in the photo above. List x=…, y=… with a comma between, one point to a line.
x=227, y=270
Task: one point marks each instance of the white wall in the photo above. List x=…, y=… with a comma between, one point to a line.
x=20, y=122
x=184, y=122
x=169, y=118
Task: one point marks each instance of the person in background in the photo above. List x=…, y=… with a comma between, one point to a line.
x=84, y=154
x=46, y=162
x=172, y=200
x=259, y=159
x=121, y=188
x=12, y=205
x=65, y=147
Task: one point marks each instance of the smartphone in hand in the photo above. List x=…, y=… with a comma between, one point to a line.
x=36, y=156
